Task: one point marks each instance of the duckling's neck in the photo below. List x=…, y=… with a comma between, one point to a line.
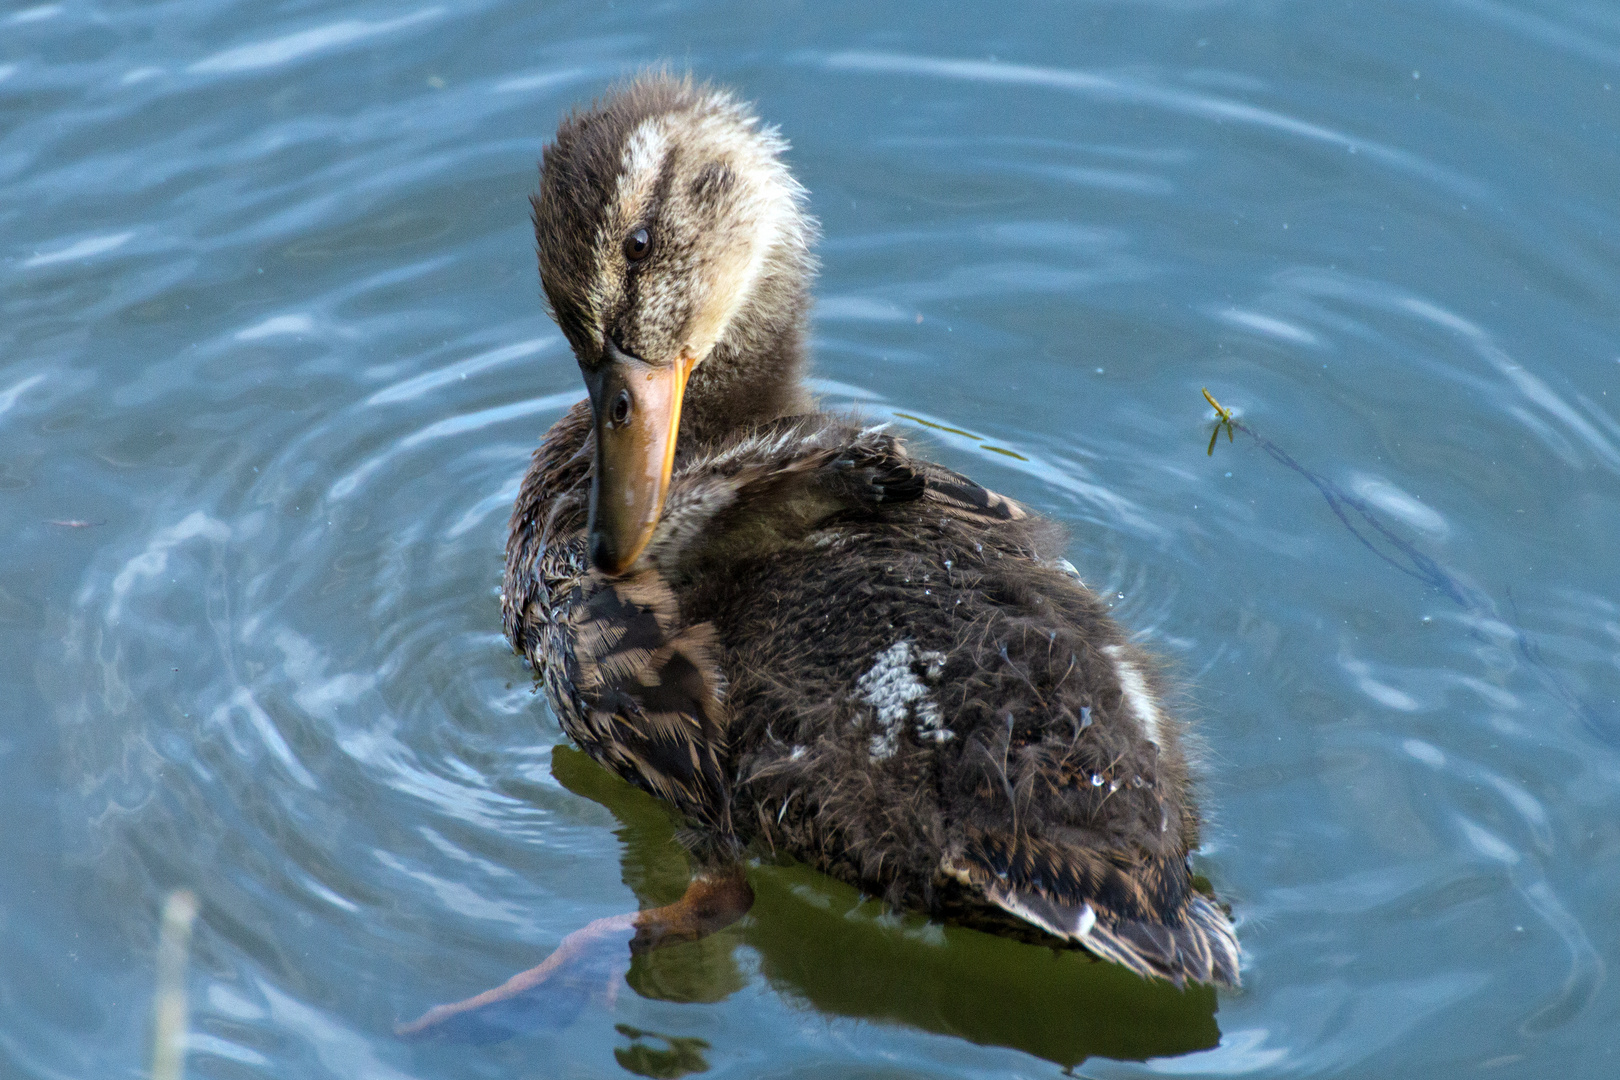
x=756, y=371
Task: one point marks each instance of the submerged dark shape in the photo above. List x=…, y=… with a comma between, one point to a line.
x=800, y=636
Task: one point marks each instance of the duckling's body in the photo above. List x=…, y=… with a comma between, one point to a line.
x=813, y=642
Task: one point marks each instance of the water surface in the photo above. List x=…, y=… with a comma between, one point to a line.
x=272, y=361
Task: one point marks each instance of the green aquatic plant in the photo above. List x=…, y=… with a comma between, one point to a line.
x=937, y=427
x=958, y=431
x=1223, y=417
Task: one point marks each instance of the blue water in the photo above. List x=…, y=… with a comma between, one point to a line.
x=272, y=360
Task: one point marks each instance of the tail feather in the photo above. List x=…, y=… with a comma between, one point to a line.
x=1203, y=948
x=1163, y=933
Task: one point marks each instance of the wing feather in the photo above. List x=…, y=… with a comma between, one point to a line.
x=1140, y=914
x=964, y=498
x=649, y=696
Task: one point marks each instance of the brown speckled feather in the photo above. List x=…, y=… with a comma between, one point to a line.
x=647, y=697
x=629, y=681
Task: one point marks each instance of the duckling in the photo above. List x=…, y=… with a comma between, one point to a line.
x=806, y=639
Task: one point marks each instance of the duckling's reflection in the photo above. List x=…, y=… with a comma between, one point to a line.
x=819, y=941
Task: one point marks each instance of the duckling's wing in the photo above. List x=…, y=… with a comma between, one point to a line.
x=775, y=486
x=965, y=498
x=1140, y=913
x=871, y=468
x=646, y=693
x=802, y=471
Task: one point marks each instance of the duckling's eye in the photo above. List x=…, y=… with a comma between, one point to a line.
x=637, y=245
x=619, y=415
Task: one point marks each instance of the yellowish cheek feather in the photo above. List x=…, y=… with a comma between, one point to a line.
x=724, y=294
x=738, y=262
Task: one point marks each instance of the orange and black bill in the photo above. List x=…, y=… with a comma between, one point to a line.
x=637, y=409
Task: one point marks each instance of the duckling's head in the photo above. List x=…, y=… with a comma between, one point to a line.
x=675, y=253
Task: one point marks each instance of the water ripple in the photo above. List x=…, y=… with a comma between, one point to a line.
x=1123, y=88
x=273, y=361
x=305, y=43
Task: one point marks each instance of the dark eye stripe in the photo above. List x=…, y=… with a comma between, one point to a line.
x=666, y=177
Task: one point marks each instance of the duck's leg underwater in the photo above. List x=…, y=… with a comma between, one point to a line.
x=590, y=960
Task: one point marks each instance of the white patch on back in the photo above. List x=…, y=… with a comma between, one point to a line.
x=825, y=538
x=1137, y=694
x=895, y=691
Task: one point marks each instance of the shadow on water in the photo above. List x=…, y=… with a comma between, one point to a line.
x=679, y=1056
x=819, y=941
